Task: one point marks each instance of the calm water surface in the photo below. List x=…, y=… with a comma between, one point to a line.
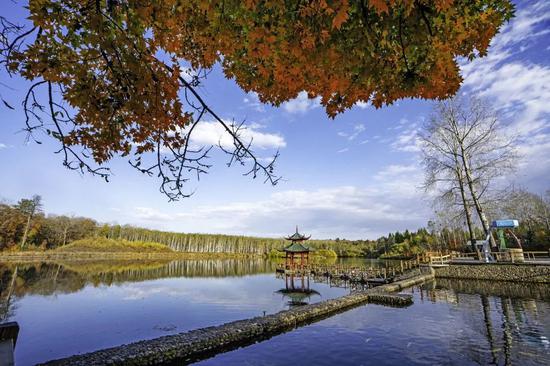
x=68, y=308
x=450, y=323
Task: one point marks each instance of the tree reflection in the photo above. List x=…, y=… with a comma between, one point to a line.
x=489, y=328
x=49, y=278
x=516, y=305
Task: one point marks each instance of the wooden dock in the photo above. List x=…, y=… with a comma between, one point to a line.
x=345, y=276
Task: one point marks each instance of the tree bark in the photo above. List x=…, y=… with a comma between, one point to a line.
x=65, y=235
x=467, y=213
x=475, y=199
x=26, y=232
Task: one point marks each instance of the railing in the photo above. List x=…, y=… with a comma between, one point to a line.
x=441, y=260
x=534, y=255
x=354, y=273
x=467, y=256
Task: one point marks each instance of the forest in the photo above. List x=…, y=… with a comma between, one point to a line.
x=25, y=226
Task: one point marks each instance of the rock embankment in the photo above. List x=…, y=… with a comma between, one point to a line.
x=514, y=272
x=201, y=343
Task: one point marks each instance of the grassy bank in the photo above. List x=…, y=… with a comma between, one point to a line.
x=105, y=245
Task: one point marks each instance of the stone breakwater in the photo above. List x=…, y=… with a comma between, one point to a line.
x=202, y=343
x=516, y=272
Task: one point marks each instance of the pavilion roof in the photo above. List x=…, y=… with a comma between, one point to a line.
x=297, y=236
x=297, y=248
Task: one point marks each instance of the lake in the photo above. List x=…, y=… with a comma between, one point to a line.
x=68, y=308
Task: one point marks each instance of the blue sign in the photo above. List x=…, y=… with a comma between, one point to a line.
x=505, y=224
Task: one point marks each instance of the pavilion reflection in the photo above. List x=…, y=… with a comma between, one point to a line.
x=297, y=289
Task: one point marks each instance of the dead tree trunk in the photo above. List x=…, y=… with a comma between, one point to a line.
x=475, y=197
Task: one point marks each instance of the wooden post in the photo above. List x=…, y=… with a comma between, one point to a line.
x=286, y=261
x=8, y=339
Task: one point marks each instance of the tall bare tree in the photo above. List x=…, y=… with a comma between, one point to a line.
x=529, y=208
x=464, y=151
x=29, y=207
x=443, y=169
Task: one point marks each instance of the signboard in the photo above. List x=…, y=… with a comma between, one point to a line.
x=505, y=224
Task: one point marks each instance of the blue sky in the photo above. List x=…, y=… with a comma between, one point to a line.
x=357, y=176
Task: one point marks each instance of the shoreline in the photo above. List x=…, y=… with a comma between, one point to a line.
x=43, y=256
x=49, y=255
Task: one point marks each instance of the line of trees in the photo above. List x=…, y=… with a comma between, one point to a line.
x=25, y=226
x=217, y=243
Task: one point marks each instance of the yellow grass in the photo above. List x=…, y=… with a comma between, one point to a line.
x=105, y=245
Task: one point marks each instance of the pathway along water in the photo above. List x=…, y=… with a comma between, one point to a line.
x=205, y=342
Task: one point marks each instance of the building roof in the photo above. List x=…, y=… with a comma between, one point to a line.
x=296, y=248
x=297, y=236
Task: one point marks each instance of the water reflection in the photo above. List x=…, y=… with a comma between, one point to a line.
x=93, y=305
x=450, y=323
x=75, y=307
x=514, y=322
x=297, y=289
x=50, y=277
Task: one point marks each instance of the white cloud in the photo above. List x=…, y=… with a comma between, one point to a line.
x=343, y=150
x=396, y=171
x=301, y=104
x=391, y=202
x=150, y=214
x=3, y=146
x=524, y=27
x=407, y=140
x=253, y=101
x=519, y=89
x=362, y=104
x=213, y=133
x=357, y=130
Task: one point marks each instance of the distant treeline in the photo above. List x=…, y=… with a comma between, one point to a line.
x=25, y=226
x=217, y=243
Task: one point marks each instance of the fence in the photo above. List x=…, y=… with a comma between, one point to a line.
x=437, y=258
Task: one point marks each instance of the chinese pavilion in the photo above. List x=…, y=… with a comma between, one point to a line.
x=295, y=249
